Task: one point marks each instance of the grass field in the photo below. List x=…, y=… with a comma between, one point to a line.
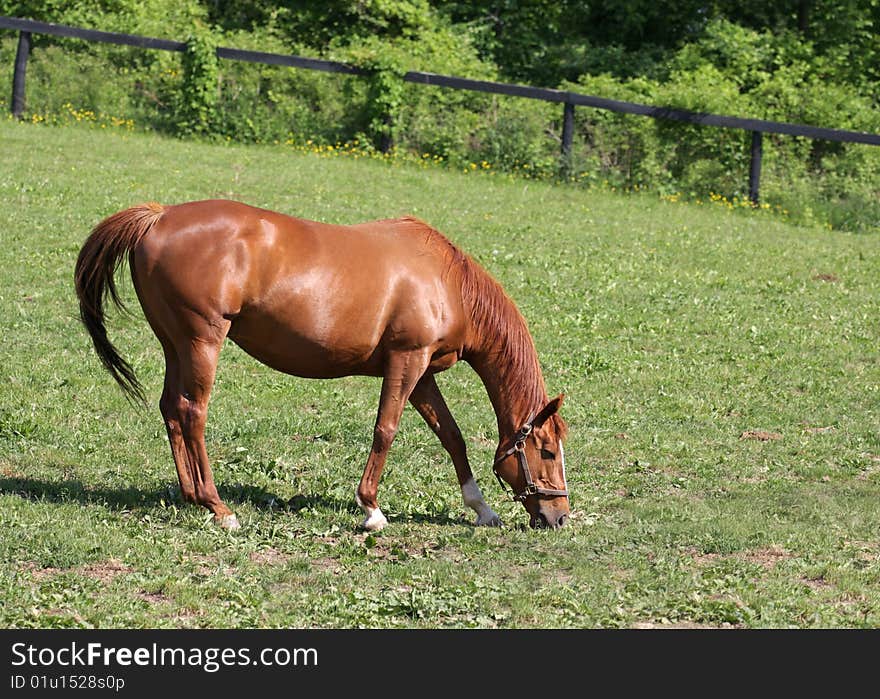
x=722, y=380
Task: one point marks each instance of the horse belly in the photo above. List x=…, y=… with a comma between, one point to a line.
x=305, y=349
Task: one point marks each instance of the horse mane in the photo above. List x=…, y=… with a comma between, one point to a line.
x=495, y=320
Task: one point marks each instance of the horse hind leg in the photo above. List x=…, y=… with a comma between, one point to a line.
x=169, y=405
x=428, y=400
x=185, y=407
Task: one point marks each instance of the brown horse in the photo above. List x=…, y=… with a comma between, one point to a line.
x=390, y=298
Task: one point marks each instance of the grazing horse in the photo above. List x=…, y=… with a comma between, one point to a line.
x=393, y=299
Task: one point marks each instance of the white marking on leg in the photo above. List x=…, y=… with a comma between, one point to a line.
x=229, y=522
x=374, y=520
x=473, y=498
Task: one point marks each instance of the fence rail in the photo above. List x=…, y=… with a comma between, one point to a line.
x=569, y=100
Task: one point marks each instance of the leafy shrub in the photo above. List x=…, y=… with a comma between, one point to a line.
x=199, y=91
x=619, y=149
x=728, y=69
x=514, y=133
x=739, y=72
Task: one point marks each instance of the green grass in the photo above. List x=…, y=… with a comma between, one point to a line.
x=673, y=329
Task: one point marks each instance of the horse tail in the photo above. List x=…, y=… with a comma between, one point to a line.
x=101, y=255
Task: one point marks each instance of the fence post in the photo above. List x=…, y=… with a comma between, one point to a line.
x=21, y=59
x=755, y=167
x=567, y=137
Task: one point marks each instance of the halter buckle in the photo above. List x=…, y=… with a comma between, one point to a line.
x=530, y=489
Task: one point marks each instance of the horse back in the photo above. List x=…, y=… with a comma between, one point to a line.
x=308, y=298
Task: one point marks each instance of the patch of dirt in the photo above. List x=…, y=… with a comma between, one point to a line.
x=186, y=618
x=38, y=573
x=329, y=540
x=621, y=435
x=328, y=565
x=870, y=470
x=826, y=277
x=817, y=583
x=395, y=552
x=105, y=571
x=866, y=551
x=820, y=430
x=153, y=597
x=270, y=556
x=768, y=557
x=760, y=435
x=446, y=553
x=679, y=625
x=702, y=559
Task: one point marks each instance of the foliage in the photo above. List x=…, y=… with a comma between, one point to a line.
x=415, y=117
x=384, y=92
x=197, y=106
x=741, y=72
x=796, y=60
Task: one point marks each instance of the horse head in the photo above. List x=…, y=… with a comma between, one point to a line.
x=532, y=463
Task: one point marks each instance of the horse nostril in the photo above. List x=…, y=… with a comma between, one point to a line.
x=538, y=521
x=561, y=520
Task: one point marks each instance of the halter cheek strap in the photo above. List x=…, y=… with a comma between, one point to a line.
x=519, y=448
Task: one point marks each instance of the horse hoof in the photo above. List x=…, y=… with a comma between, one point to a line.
x=228, y=522
x=375, y=521
x=491, y=520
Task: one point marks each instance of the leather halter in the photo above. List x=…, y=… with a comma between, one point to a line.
x=519, y=448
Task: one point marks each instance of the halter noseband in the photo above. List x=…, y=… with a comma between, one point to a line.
x=519, y=448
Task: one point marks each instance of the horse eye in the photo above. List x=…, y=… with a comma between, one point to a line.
x=547, y=454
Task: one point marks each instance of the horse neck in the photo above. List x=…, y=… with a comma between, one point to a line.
x=504, y=357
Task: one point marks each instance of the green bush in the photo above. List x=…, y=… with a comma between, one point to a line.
x=416, y=117
x=199, y=91
x=738, y=72
x=114, y=81
x=619, y=149
x=728, y=69
x=514, y=134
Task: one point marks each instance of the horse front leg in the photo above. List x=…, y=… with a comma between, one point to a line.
x=428, y=400
x=402, y=372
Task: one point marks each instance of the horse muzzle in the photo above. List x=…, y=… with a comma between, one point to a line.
x=548, y=520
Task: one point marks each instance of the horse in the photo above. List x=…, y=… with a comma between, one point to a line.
x=392, y=298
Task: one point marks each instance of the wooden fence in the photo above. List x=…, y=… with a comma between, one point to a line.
x=569, y=100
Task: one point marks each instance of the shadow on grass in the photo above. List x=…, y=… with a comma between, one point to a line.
x=136, y=498
x=140, y=500
x=73, y=491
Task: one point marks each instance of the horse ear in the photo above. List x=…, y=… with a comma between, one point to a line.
x=550, y=409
